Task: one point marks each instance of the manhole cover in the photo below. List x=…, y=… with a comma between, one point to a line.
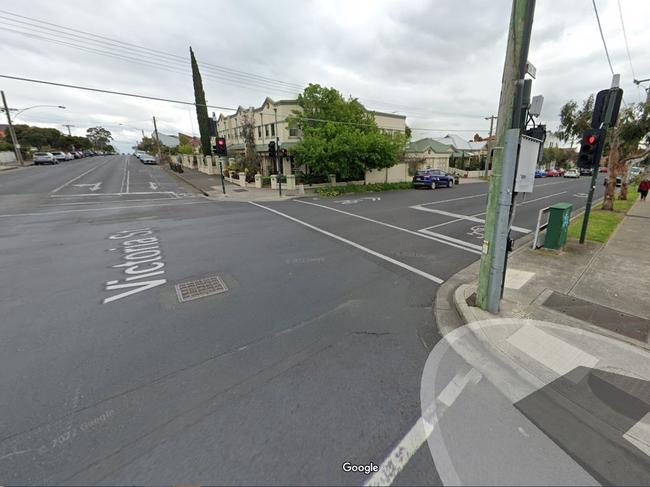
x=200, y=288
x=241, y=190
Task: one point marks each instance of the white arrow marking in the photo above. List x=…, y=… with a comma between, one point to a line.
x=153, y=186
x=91, y=187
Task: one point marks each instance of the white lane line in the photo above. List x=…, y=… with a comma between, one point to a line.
x=101, y=209
x=141, y=200
x=110, y=194
x=464, y=217
x=77, y=177
x=421, y=430
x=128, y=177
x=525, y=202
x=454, y=199
x=123, y=176
x=463, y=246
x=451, y=239
x=355, y=245
x=451, y=221
x=639, y=434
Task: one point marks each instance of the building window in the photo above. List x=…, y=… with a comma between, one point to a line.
x=259, y=131
x=294, y=132
x=273, y=129
x=266, y=129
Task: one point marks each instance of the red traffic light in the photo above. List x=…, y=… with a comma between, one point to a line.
x=221, y=142
x=591, y=139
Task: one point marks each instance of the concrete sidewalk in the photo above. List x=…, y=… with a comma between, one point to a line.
x=210, y=186
x=600, y=288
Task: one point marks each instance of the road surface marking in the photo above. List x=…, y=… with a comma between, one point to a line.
x=355, y=245
x=171, y=193
x=639, y=434
x=525, y=202
x=551, y=352
x=452, y=221
x=141, y=200
x=92, y=187
x=153, y=186
x=463, y=246
x=420, y=431
x=128, y=177
x=464, y=217
x=124, y=175
x=45, y=213
x=77, y=177
x=451, y=239
x=454, y=199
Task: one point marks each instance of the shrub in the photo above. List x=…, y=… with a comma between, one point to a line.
x=328, y=191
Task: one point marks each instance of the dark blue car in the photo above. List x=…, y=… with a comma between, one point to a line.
x=432, y=178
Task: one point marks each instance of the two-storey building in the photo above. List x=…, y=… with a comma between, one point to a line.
x=270, y=123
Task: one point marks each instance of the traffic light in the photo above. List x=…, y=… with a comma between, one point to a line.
x=220, y=147
x=272, y=149
x=591, y=148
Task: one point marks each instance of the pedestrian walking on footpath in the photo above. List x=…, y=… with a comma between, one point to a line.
x=644, y=187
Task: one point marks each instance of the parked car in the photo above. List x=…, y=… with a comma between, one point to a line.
x=78, y=155
x=432, y=178
x=44, y=158
x=88, y=153
x=635, y=171
x=540, y=174
x=571, y=173
x=619, y=181
x=69, y=156
x=59, y=156
x=586, y=171
x=552, y=173
x=147, y=159
x=602, y=169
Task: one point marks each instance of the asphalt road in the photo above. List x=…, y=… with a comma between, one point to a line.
x=311, y=358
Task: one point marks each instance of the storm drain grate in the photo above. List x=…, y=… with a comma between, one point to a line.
x=200, y=288
x=240, y=190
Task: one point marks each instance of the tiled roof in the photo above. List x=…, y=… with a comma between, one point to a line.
x=424, y=144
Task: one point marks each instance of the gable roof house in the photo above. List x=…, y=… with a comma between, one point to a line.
x=428, y=154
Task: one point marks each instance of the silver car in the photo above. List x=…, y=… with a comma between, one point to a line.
x=44, y=158
x=59, y=156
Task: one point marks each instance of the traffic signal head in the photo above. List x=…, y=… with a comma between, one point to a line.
x=220, y=147
x=272, y=149
x=591, y=148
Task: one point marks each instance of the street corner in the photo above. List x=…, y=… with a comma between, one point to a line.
x=523, y=402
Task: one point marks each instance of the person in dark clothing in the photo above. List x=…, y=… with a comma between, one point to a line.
x=644, y=187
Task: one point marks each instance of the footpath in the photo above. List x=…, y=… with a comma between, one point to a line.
x=211, y=186
x=603, y=288
x=568, y=355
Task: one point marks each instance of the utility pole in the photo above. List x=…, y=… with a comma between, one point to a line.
x=155, y=129
x=277, y=150
x=216, y=134
x=491, y=118
x=493, y=256
x=14, y=140
x=68, y=127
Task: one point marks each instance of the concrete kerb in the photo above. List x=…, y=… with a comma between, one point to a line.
x=185, y=180
x=450, y=307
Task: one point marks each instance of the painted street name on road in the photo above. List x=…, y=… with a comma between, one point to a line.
x=142, y=259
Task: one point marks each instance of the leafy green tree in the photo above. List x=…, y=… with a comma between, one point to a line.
x=340, y=136
x=147, y=144
x=184, y=149
x=99, y=137
x=561, y=157
x=201, y=108
x=574, y=121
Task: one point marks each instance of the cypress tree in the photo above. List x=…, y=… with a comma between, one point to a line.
x=201, y=108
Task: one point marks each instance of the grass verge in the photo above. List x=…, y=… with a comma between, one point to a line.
x=329, y=191
x=603, y=223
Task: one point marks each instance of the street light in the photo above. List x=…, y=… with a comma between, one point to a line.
x=19, y=112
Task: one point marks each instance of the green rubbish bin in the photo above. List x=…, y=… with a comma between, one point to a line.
x=558, y=225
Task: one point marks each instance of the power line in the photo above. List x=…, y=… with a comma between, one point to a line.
x=627, y=46
x=600, y=28
x=119, y=44
x=110, y=92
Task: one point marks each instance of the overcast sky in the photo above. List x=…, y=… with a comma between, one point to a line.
x=439, y=62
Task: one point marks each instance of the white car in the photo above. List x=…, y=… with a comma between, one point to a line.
x=571, y=173
x=59, y=156
x=44, y=158
x=69, y=156
x=147, y=159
